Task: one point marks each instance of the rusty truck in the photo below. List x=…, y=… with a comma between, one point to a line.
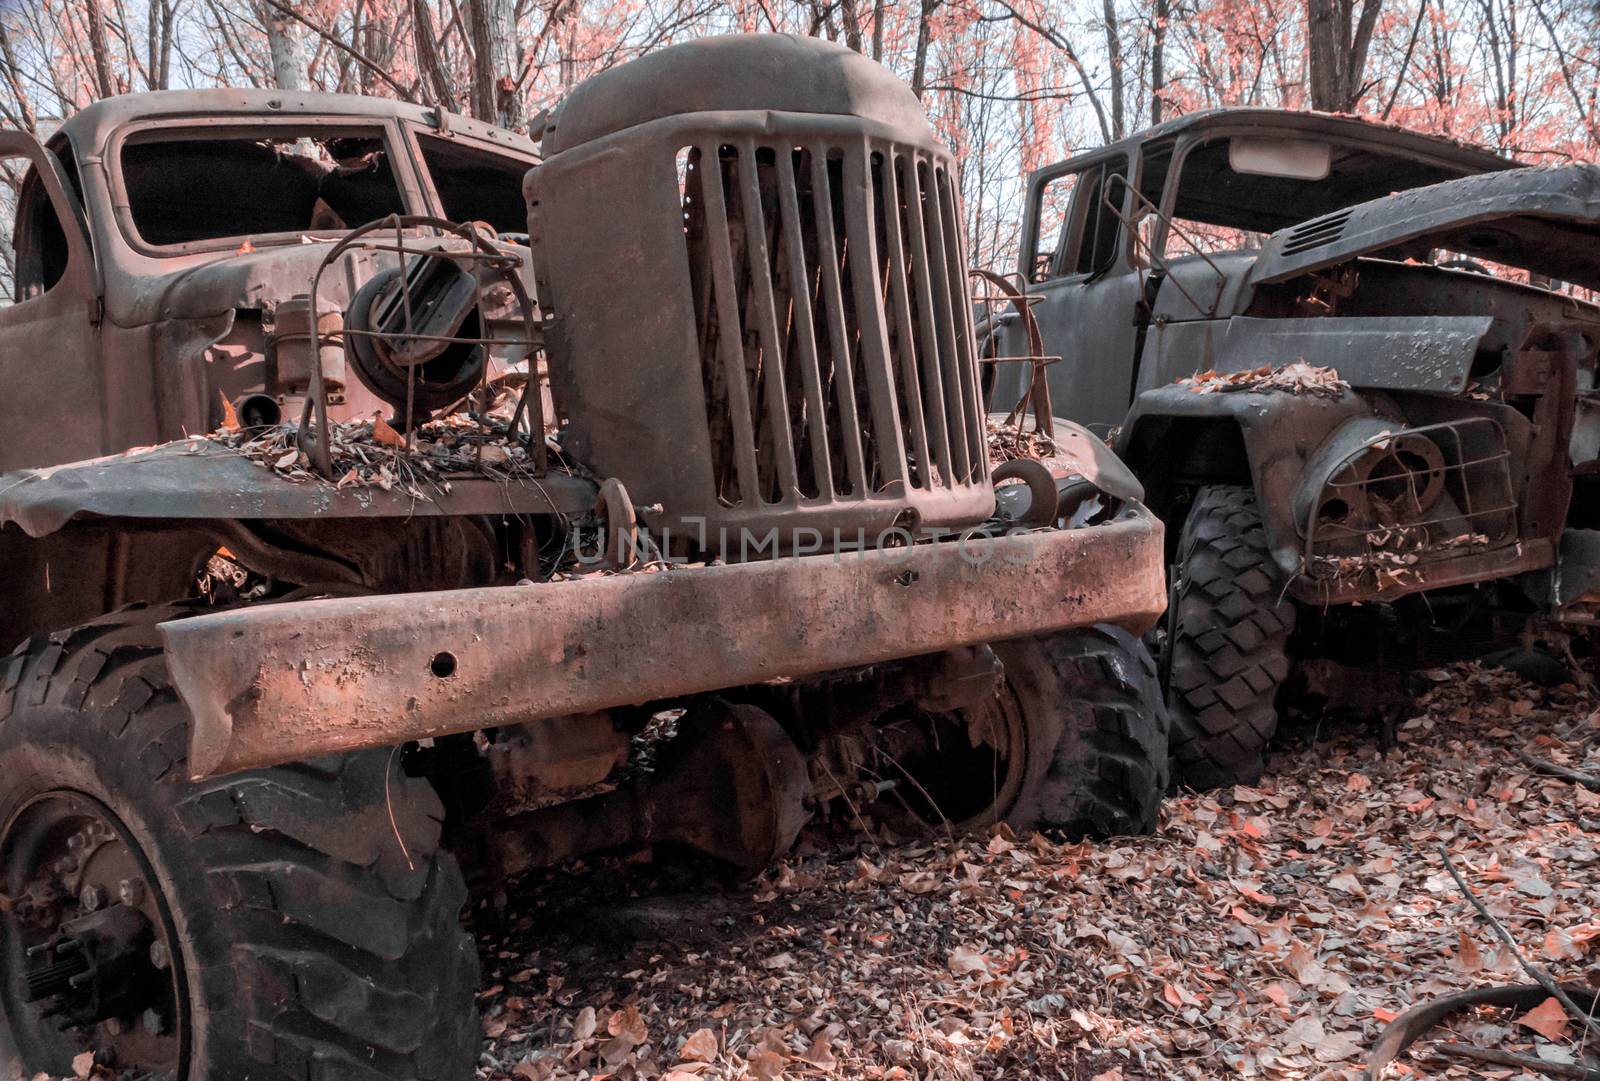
x=1354, y=367
x=392, y=505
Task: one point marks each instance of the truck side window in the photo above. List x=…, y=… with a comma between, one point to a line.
x=1088, y=230
x=33, y=250
x=475, y=184
x=1054, y=238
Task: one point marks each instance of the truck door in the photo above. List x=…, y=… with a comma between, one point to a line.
x=1077, y=260
x=52, y=410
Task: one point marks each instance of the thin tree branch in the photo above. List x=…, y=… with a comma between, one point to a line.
x=355, y=54
x=1540, y=976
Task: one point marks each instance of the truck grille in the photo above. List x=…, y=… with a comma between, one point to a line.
x=831, y=305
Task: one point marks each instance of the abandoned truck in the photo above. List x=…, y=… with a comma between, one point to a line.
x=408, y=620
x=1342, y=360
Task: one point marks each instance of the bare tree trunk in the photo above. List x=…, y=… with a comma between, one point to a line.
x=479, y=31
x=428, y=62
x=505, y=55
x=493, y=25
x=153, y=44
x=169, y=20
x=1114, y=57
x=852, y=24
x=286, y=42
x=1158, y=60
x=877, y=29
x=919, y=69
x=1336, y=46
x=97, y=45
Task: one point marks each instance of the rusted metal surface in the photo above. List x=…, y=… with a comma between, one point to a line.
x=733, y=786
x=787, y=232
x=198, y=480
x=278, y=683
x=134, y=327
x=1391, y=352
x=1036, y=402
x=151, y=336
x=1571, y=589
x=1435, y=353
x=1546, y=220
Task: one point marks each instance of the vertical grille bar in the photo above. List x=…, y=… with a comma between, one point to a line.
x=928, y=334
x=803, y=331
x=771, y=363
x=829, y=260
x=861, y=232
x=830, y=297
x=897, y=292
x=939, y=274
x=729, y=332
x=959, y=319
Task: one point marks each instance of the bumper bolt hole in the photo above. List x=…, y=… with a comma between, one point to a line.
x=443, y=665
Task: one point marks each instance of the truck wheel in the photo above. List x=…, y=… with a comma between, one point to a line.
x=1096, y=730
x=1228, y=626
x=266, y=925
x=1074, y=741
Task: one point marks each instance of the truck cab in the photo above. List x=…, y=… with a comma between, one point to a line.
x=1354, y=367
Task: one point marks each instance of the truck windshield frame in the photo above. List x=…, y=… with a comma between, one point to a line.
x=367, y=145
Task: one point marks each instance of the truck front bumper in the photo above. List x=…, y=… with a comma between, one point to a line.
x=286, y=682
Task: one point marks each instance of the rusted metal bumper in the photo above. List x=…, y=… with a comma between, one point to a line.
x=285, y=682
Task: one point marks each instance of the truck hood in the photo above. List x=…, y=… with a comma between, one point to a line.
x=198, y=287
x=202, y=287
x=1545, y=220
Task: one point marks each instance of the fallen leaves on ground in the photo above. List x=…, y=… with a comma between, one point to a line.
x=1266, y=931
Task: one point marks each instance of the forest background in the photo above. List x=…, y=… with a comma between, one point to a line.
x=1010, y=84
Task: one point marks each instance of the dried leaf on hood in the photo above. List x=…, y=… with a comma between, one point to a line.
x=230, y=416
x=1295, y=378
x=384, y=435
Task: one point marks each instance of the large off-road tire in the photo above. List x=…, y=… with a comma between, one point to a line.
x=1096, y=730
x=1228, y=628
x=306, y=942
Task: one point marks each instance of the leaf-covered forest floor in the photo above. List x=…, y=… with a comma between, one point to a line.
x=1268, y=931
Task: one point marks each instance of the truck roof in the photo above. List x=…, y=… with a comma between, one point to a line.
x=94, y=123
x=1343, y=125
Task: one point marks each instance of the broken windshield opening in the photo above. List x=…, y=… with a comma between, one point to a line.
x=1211, y=193
x=182, y=189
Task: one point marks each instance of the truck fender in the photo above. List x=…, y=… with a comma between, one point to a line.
x=199, y=479
x=1175, y=439
x=1079, y=455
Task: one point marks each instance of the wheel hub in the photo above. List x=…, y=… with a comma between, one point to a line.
x=96, y=969
x=964, y=767
x=86, y=946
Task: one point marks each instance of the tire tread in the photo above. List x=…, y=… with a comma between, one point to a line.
x=1230, y=629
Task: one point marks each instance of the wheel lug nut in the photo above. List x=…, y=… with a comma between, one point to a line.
x=92, y=898
x=130, y=891
x=76, y=841
x=160, y=956
x=153, y=1022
